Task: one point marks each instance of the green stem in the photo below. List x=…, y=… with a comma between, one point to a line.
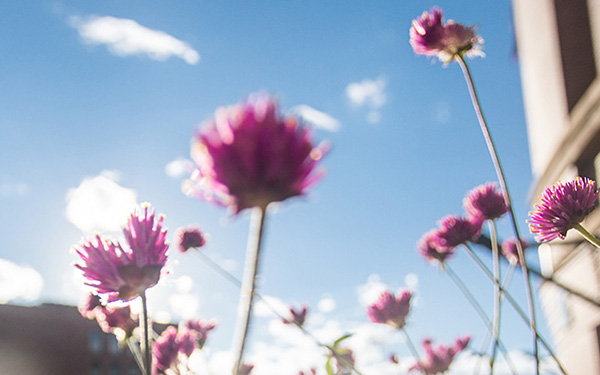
x=587, y=235
x=248, y=286
x=500, y=173
x=497, y=295
x=146, y=342
x=412, y=349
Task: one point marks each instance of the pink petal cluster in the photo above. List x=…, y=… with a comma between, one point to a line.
x=110, y=319
x=509, y=249
x=431, y=37
x=343, y=361
x=428, y=248
x=562, y=206
x=437, y=360
x=298, y=316
x=486, y=201
x=390, y=309
x=248, y=155
x=200, y=329
x=123, y=273
x=454, y=230
x=190, y=238
x=312, y=371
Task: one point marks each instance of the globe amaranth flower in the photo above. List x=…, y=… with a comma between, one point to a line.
x=428, y=248
x=390, y=309
x=431, y=37
x=190, y=238
x=117, y=320
x=562, y=207
x=200, y=328
x=438, y=360
x=164, y=351
x=248, y=155
x=486, y=201
x=123, y=273
x=298, y=316
x=455, y=230
x=88, y=307
x=509, y=249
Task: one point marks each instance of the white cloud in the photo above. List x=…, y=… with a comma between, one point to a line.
x=179, y=167
x=14, y=189
x=125, y=37
x=326, y=304
x=316, y=118
x=370, y=94
x=100, y=203
x=369, y=292
x=263, y=306
x=19, y=282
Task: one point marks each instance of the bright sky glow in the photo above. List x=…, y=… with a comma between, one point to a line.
x=100, y=101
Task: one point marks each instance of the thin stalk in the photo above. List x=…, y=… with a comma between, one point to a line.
x=146, y=342
x=497, y=295
x=587, y=235
x=473, y=301
x=576, y=293
x=500, y=173
x=135, y=350
x=515, y=305
x=412, y=349
x=255, y=236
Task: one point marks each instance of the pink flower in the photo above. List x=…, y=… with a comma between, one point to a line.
x=190, y=238
x=312, y=371
x=164, y=351
x=124, y=273
x=486, y=201
x=201, y=329
x=438, y=360
x=430, y=37
x=428, y=248
x=245, y=369
x=456, y=230
x=509, y=249
x=89, y=306
x=562, y=206
x=391, y=310
x=342, y=361
x=298, y=316
x=111, y=320
x=249, y=155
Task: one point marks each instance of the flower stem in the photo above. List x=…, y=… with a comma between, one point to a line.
x=587, y=235
x=257, y=225
x=497, y=295
x=412, y=349
x=146, y=342
x=499, y=172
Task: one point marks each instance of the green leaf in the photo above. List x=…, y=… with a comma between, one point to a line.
x=338, y=341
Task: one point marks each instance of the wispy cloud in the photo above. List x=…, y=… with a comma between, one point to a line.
x=100, y=203
x=19, y=283
x=125, y=37
x=14, y=189
x=370, y=94
x=316, y=118
x=179, y=167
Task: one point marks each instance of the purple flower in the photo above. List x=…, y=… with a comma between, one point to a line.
x=391, y=310
x=187, y=340
x=89, y=306
x=438, y=360
x=509, y=249
x=486, y=201
x=343, y=361
x=430, y=37
x=164, y=351
x=249, y=155
x=298, y=316
x=201, y=328
x=428, y=248
x=455, y=230
x=124, y=273
x=119, y=321
x=562, y=207
x=190, y=238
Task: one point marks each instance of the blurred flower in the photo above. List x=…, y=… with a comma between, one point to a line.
x=430, y=37
x=438, y=360
x=395, y=359
x=391, y=310
x=117, y=320
x=201, y=329
x=249, y=155
x=190, y=238
x=298, y=316
x=187, y=341
x=428, y=248
x=245, y=369
x=124, y=273
x=486, y=201
x=164, y=351
x=87, y=308
x=312, y=371
x=562, y=206
x=509, y=249
x=342, y=361
x=456, y=230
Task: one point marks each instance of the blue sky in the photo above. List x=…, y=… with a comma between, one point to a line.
x=406, y=146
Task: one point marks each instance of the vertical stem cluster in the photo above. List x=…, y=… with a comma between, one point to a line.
x=502, y=181
x=248, y=284
x=497, y=294
x=146, y=342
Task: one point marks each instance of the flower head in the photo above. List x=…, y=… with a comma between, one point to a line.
x=456, y=230
x=117, y=320
x=562, y=206
x=164, y=351
x=88, y=307
x=509, y=249
x=486, y=201
x=201, y=329
x=249, y=155
x=429, y=249
x=123, y=273
x=430, y=37
x=438, y=360
x=298, y=316
x=390, y=309
x=190, y=238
